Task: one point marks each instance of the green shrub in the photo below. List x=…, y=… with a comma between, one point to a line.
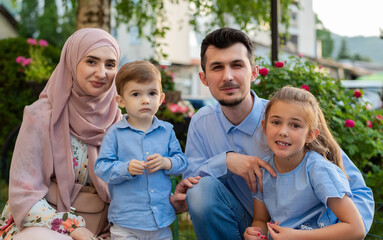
x=15, y=92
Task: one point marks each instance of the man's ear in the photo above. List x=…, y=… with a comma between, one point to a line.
x=202, y=77
x=312, y=135
x=254, y=73
x=120, y=101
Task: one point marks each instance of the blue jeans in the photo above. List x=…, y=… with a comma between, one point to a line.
x=215, y=211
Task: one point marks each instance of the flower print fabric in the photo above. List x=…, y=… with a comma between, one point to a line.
x=42, y=214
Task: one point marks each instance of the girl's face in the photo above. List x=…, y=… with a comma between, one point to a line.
x=287, y=131
x=96, y=71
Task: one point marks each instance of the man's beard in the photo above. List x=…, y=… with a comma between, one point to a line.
x=231, y=103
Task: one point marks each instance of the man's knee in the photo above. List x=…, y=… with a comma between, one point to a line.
x=202, y=196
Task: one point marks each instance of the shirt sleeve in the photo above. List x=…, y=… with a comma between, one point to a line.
x=107, y=166
x=328, y=180
x=361, y=195
x=43, y=215
x=200, y=164
x=176, y=156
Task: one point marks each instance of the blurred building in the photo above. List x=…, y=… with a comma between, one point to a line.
x=8, y=24
x=183, y=44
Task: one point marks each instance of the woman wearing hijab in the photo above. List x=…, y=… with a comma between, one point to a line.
x=59, y=141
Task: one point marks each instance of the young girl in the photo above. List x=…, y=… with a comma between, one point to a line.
x=310, y=176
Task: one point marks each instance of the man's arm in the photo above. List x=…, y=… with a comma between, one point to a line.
x=362, y=195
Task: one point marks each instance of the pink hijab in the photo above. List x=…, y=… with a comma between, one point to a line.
x=43, y=148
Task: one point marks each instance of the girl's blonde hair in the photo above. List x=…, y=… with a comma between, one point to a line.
x=324, y=143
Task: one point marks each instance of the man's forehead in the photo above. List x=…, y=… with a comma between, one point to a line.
x=236, y=52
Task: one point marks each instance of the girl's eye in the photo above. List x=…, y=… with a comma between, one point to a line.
x=135, y=94
x=275, y=122
x=294, y=125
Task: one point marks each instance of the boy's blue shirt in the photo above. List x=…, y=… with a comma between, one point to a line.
x=141, y=201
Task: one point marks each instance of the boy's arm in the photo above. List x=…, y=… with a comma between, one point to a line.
x=178, y=159
x=351, y=225
x=107, y=166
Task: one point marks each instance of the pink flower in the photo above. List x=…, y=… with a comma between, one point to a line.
x=379, y=118
x=349, y=123
x=357, y=94
x=320, y=67
x=43, y=43
x=164, y=67
x=20, y=59
x=279, y=64
x=32, y=41
x=264, y=71
x=300, y=55
x=75, y=163
x=305, y=87
x=369, y=124
x=183, y=109
x=174, y=108
x=27, y=61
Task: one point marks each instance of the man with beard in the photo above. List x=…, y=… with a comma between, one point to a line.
x=225, y=145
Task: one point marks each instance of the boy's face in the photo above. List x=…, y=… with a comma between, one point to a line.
x=141, y=100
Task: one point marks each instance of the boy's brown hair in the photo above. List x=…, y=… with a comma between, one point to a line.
x=137, y=71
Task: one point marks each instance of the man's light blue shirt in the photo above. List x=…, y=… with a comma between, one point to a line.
x=211, y=135
x=141, y=201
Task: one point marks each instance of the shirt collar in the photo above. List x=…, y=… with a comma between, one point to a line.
x=250, y=123
x=125, y=124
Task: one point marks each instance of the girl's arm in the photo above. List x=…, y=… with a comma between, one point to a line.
x=260, y=219
x=350, y=226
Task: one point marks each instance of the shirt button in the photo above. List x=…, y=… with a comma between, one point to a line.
x=147, y=153
x=154, y=208
x=152, y=190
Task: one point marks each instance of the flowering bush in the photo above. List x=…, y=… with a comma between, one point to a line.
x=358, y=130
x=36, y=68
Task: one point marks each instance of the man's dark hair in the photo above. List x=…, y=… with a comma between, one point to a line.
x=224, y=38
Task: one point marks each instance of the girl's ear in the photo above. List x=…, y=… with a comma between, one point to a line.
x=312, y=135
x=264, y=126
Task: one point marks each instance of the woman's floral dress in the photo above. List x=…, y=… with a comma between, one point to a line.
x=42, y=214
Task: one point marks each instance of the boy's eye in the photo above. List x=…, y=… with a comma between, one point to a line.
x=294, y=125
x=135, y=94
x=153, y=93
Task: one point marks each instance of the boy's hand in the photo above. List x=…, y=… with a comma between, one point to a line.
x=136, y=167
x=156, y=162
x=253, y=233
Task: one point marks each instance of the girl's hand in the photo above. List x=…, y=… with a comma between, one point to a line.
x=136, y=167
x=280, y=233
x=156, y=162
x=253, y=233
x=81, y=233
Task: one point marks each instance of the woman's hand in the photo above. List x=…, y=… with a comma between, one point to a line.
x=81, y=233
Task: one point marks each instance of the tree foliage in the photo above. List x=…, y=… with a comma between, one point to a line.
x=324, y=35
x=28, y=18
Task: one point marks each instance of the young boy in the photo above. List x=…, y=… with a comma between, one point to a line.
x=137, y=156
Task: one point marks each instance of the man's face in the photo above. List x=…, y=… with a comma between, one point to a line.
x=228, y=74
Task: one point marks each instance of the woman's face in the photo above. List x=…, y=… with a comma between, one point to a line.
x=96, y=71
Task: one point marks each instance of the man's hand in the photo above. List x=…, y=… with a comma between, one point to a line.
x=247, y=167
x=136, y=167
x=156, y=162
x=178, y=199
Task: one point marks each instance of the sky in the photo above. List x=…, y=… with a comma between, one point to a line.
x=351, y=17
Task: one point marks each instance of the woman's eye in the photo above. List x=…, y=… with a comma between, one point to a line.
x=110, y=65
x=90, y=61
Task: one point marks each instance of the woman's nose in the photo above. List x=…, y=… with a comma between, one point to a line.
x=101, y=72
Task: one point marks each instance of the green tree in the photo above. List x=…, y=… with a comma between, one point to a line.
x=48, y=22
x=343, y=52
x=324, y=35
x=28, y=18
